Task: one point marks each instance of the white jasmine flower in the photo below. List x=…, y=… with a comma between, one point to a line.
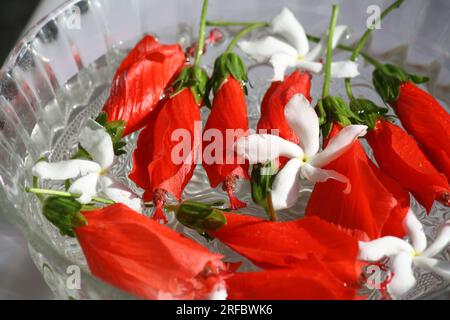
x=404, y=256
x=295, y=51
x=306, y=160
x=91, y=176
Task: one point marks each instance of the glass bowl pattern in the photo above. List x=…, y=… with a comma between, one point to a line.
x=60, y=71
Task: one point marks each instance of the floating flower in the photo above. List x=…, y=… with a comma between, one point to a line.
x=376, y=205
x=140, y=82
x=91, y=176
x=228, y=121
x=420, y=113
x=403, y=255
x=151, y=261
x=275, y=100
x=310, y=280
x=399, y=155
x=295, y=51
x=429, y=123
x=286, y=245
x=168, y=149
x=305, y=159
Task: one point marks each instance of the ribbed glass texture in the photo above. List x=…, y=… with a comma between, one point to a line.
x=60, y=72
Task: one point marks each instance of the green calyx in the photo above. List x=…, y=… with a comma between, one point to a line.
x=367, y=112
x=228, y=64
x=64, y=213
x=388, y=78
x=200, y=217
x=261, y=182
x=81, y=154
x=115, y=129
x=192, y=78
x=335, y=110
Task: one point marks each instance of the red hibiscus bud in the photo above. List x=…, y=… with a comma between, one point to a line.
x=399, y=155
x=420, y=113
x=168, y=148
x=146, y=259
x=140, y=82
x=429, y=123
x=154, y=168
x=229, y=120
x=376, y=205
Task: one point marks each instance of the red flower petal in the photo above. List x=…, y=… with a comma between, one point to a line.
x=310, y=280
x=145, y=258
x=143, y=156
x=276, y=99
x=376, y=204
x=429, y=123
x=178, y=115
x=398, y=154
x=274, y=245
x=227, y=122
x=144, y=47
x=140, y=85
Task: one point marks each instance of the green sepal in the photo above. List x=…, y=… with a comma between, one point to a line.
x=261, y=182
x=367, y=111
x=388, y=78
x=81, y=154
x=194, y=79
x=115, y=129
x=201, y=217
x=334, y=110
x=102, y=119
x=227, y=64
x=64, y=213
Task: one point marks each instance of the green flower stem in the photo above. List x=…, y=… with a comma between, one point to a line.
x=270, y=209
x=326, y=85
x=366, y=56
x=35, y=186
x=311, y=38
x=173, y=207
x=168, y=207
x=211, y=23
x=360, y=45
x=244, y=32
x=201, y=38
x=89, y=208
x=48, y=192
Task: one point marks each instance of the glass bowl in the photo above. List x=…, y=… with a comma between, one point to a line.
x=60, y=71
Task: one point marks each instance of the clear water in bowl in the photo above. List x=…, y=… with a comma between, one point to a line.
x=198, y=189
x=59, y=120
